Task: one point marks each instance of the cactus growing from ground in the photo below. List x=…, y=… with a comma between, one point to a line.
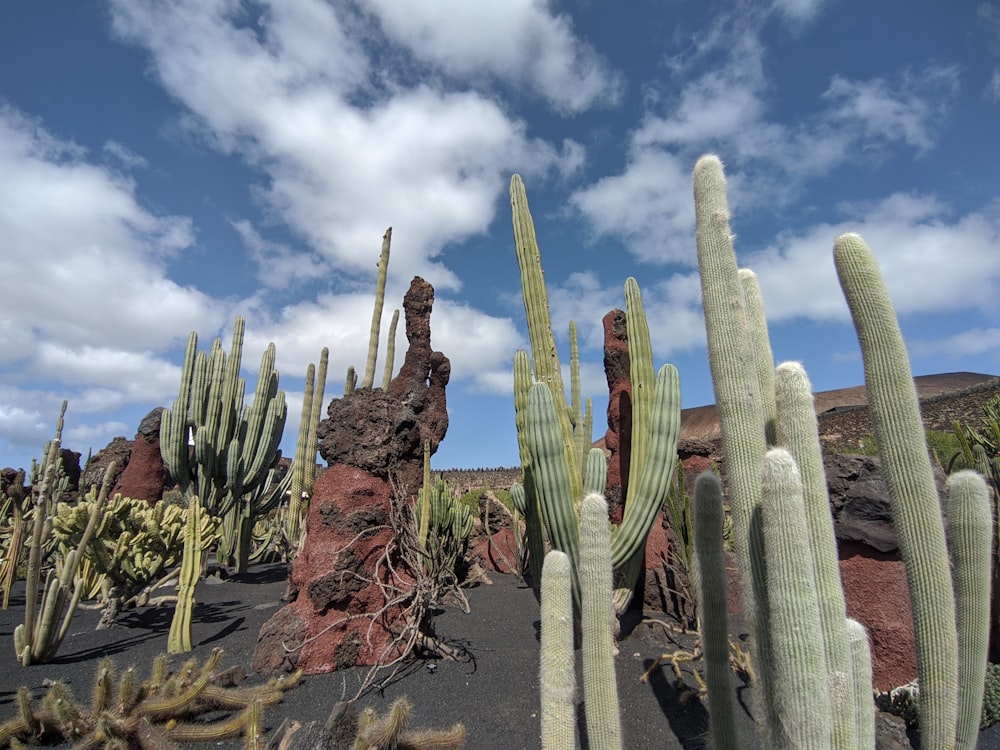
x=600, y=690
x=179, y=639
x=164, y=709
x=235, y=444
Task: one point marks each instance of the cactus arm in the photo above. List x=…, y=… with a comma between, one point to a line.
x=797, y=430
x=383, y=269
x=713, y=622
x=581, y=437
x=557, y=673
x=298, y=469
x=641, y=375
x=425, y=499
x=653, y=481
x=317, y=412
x=906, y=466
x=600, y=691
x=761, y=347
x=532, y=511
x=969, y=529
x=795, y=660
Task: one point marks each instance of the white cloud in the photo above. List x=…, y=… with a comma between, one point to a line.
x=798, y=11
x=481, y=347
x=518, y=41
x=969, y=343
x=83, y=249
x=932, y=262
x=347, y=148
x=993, y=87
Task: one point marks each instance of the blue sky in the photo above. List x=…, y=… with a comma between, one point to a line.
x=167, y=166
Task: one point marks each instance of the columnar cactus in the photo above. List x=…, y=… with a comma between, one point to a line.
x=383, y=268
x=892, y=402
x=968, y=528
x=179, y=638
x=235, y=444
x=713, y=621
x=557, y=674
x=600, y=689
x=304, y=464
x=796, y=429
x=861, y=669
x=796, y=662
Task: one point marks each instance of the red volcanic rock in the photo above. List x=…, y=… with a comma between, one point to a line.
x=617, y=440
x=383, y=432
x=335, y=579
x=878, y=597
x=145, y=475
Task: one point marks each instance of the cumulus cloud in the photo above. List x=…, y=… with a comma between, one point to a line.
x=347, y=147
x=970, y=343
x=520, y=42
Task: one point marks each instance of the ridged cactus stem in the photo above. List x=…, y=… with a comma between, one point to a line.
x=425, y=499
x=532, y=509
x=642, y=379
x=906, y=466
x=545, y=355
x=582, y=439
x=969, y=530
x=600, y=690
x=383, y=268
x=301, y=457
x=795, y=661
x=861, y=667
x=558, y=669
x=796, y=429
x=390, y=351
x=737, y=397
x=713, y=620
x=179, y=638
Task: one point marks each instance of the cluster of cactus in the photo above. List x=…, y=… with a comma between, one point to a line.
x=15, y=510
x=164, y=709
x=376, y=732
x=554, y=438
x=38, y=638
x=133, y=544
x=234, y=444
x=443, y=523
x=782, y=529
x=557, y=672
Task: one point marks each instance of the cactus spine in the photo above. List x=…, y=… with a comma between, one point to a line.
x=915, y=507
x=968, y=526
x=713, y=622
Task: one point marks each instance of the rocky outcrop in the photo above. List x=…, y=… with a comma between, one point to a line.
x=145, y=475
x=118, y=450
x=617, y=443
x=384, y=431
x=338, y=616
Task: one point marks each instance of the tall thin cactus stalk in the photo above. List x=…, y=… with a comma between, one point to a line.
x=383, y=267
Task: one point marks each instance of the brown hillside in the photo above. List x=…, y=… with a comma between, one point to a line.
x=703, y=421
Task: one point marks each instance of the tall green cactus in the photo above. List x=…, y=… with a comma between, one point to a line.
x=304, y=464
x=179, y=638
x=600, y=689
x=552, y=436
x=235, y=444
x=899, y=430
x=383, y=268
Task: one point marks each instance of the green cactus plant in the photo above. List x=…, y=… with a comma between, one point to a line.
x=179, y=638
x=969, y=531
x=713, y=620
x=383, y=268
x=907, y=469
x=557, y=672
x=235, y=445
x=38, y=638
x=796, y=661
x=390, y=731
x=443, y=524
x=164, y=709
x=861, y=676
